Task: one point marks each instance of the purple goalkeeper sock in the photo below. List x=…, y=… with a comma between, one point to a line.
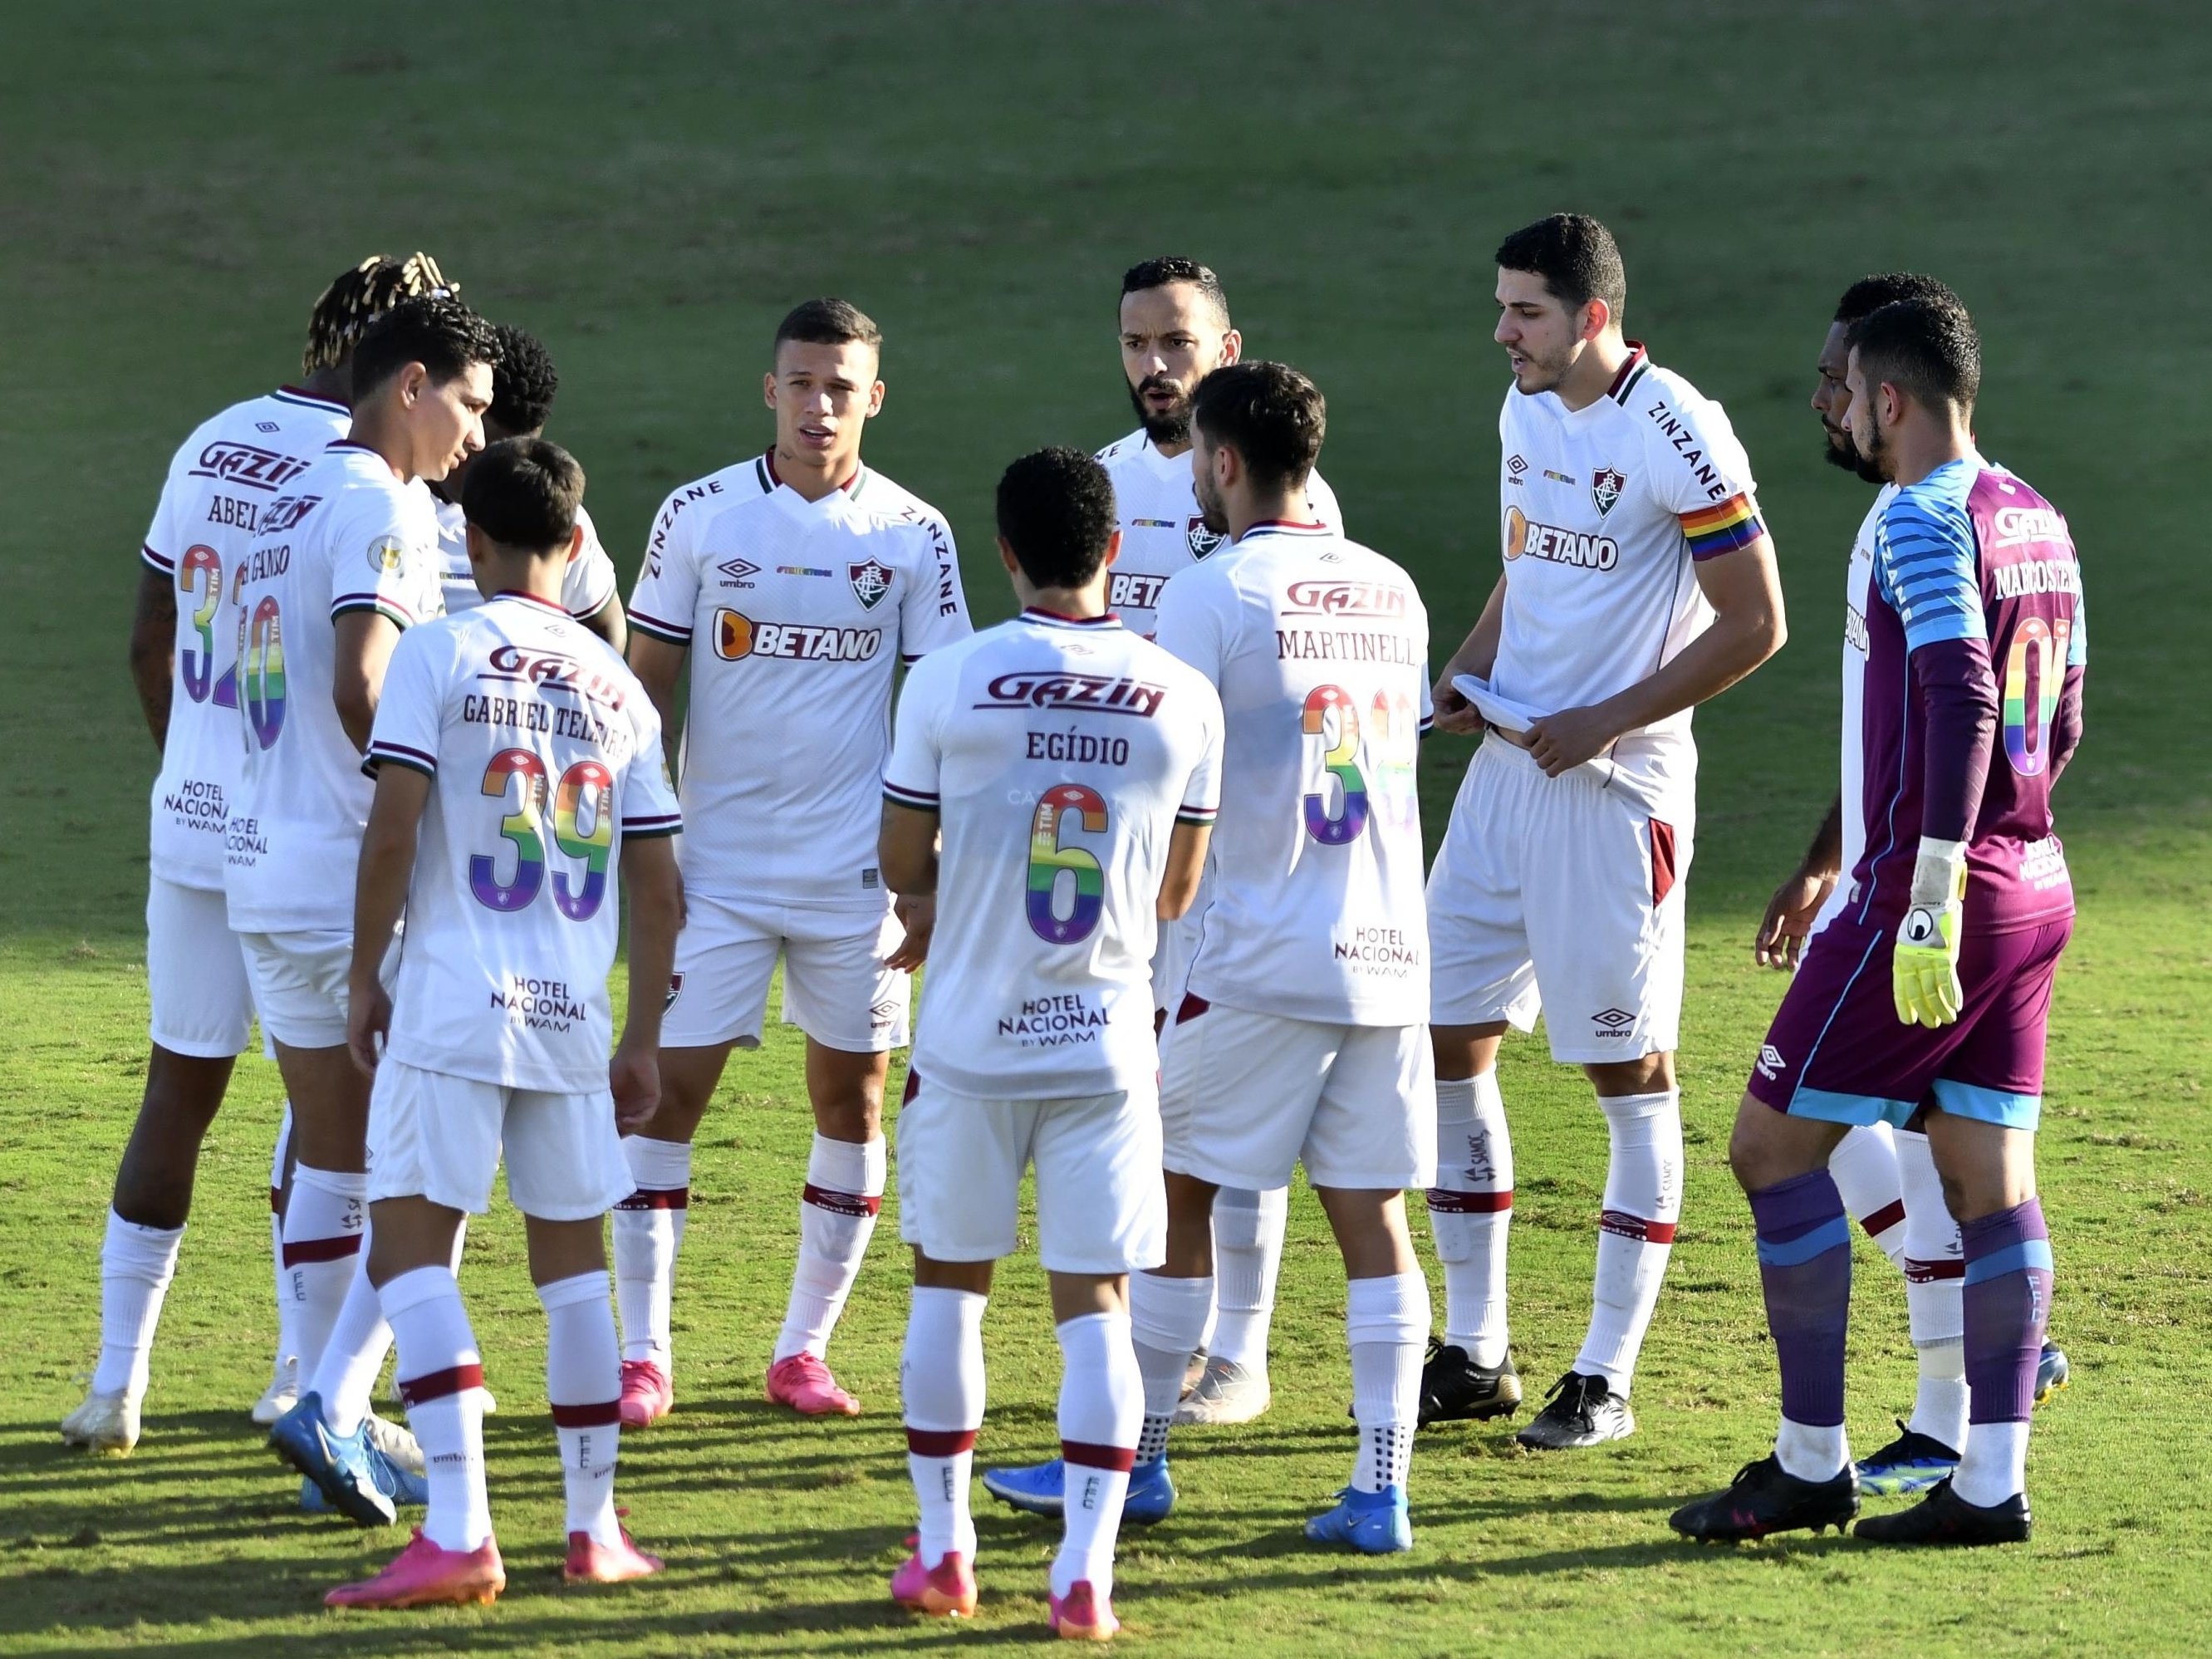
x=2007, y=1298
x=1805, y=1269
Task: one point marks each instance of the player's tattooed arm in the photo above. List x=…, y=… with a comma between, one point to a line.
x=1797, y=903
x=1477, y=655
x=654, y=899
x=379, y=895
x=154, y=650
x=658, y=667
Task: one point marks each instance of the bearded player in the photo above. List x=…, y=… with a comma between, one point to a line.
x=1175, y=330
x=791, y=585
x=184, y=658
x=1638, y=581
x=1929, y=992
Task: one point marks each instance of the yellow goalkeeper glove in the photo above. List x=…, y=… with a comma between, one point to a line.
x=1924, y=962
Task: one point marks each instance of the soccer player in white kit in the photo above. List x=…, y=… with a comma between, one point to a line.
x=794, y=582
x=184, y=660
x=519, y=783
x=1073, y=770
x=1638, y=582
x=523, y=388
x=1174, y=331
x=342, y=564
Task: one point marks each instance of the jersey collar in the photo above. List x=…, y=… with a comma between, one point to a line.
x=771, y=480
x=292, y=394
x=1284, y=527
x=1638, y=364
x=1045, y=619
x=516, y=593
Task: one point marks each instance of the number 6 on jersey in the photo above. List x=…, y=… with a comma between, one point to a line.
x=1067, y=888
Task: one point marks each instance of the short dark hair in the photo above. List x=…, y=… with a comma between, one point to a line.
x=1174, y=268
x=828, y=322
x=523, y=492
x=1268, y=413
x=524, y=383
x=1576, y=256
x=1056, y=511
x=1927, y=349
x=356, y=297
x=443, y=335
x=1870, y=294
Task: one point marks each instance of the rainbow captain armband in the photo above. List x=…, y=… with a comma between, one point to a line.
x=1714, y=531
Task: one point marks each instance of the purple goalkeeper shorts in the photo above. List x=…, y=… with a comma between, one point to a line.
x=1838, y=1051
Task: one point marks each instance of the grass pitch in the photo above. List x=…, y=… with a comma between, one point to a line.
x=649, y=190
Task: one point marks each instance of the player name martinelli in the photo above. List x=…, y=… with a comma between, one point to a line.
x=529, y=715
x=1344, y=644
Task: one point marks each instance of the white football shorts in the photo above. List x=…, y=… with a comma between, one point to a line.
x=196, y=973
x=1102, y=1206
x=835, y=988
x=434, y=1136
x=299, y=983
x=1246, y=1097
x=1563, y=897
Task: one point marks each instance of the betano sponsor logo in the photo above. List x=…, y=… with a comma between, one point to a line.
x=1526, y=538
x=1108, y=694
x=737, y=636
x=1134, y=589
x=1343, y=598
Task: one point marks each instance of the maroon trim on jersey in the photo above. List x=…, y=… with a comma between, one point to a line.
x=1105, y=619
x=439, y=1385
x=767, y=461
x=1193, y=1007
x=912, y=1087
x=301, y=395
x=353, y=443
x=1444, y=1201
x=599, y=1415
x=531, y=598
x=1886, y=1218
x=1118, y=1460
x=855, y=1205
x=1637, y=358
x=1664, y=867
x=1292, y=526
x=939, y=1442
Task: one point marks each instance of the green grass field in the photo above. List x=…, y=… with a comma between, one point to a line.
x=649, y=189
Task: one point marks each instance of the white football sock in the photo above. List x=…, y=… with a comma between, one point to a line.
x=1102, y=1409
x=1167, y=1316
x=1934, y=1286
x=836, y=1218
x=941, y=1398
x=1385, y=1324
x=1811, y=1452
x=135, y=1266
x=1864, y=1166
x=1940, y=1404
x=583, y=1384
x=648, y=1232
x=1471, y=1211
x=441, y=1379
x=1636, y=1234
x=360, y=1338
x=287, y=1338
x=1993, y=1466
x=1247, y=1256
x=326, y=1216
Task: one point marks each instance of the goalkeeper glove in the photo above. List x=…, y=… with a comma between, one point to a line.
x=1924, y=962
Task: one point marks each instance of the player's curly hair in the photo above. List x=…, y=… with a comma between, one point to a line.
x=1870, y=294
x=523, y=386
x=1268, y=413
x=1927, y=349
x=441, y=334
x=1174, y=268
x=359, y=295
x=1056, y=511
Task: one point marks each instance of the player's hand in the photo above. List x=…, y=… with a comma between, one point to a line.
x=368, y=1021
x=1561, y=742
x=633, y=1075
x=1925, y=970
x=918, y=915
x=1453, y=713
x=1789, y=920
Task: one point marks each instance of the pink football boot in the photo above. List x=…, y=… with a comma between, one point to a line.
x=804, y=1383
x=947, y=1590
x=424, y=1576
x=1081, y=1616
x=647, y=1393
x=594, y=1563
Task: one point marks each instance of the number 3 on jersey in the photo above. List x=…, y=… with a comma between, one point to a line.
x=1067, y=887
x=1340, y=760
x=586, y=792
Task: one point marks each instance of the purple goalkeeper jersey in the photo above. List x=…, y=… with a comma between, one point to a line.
x=1970, y=553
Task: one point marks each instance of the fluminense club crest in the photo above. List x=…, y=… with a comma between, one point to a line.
x=1606, y=485
x=870, y=581
x=1200, y=540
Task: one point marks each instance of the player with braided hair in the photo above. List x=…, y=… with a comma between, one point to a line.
x=523, y=388
x=184, y=660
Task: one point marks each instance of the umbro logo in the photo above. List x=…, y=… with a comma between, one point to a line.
x=1613, y=1019
x=1771, y=1063
x=738, y=572
x=1516, y=465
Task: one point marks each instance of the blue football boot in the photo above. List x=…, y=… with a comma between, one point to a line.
x=345, y=1466
x=1372, y=1522
x=1040, y=1490
x=1913, y=1463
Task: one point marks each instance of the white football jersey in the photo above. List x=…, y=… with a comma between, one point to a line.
x=546, y=757
x=348, y=536
x=1162, y=532
x=1319, y=647
x=797, y=614
x=1852, y=794
x=1060, y=756
x=1605, y=508
x=227, y=472
x=589, y=584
